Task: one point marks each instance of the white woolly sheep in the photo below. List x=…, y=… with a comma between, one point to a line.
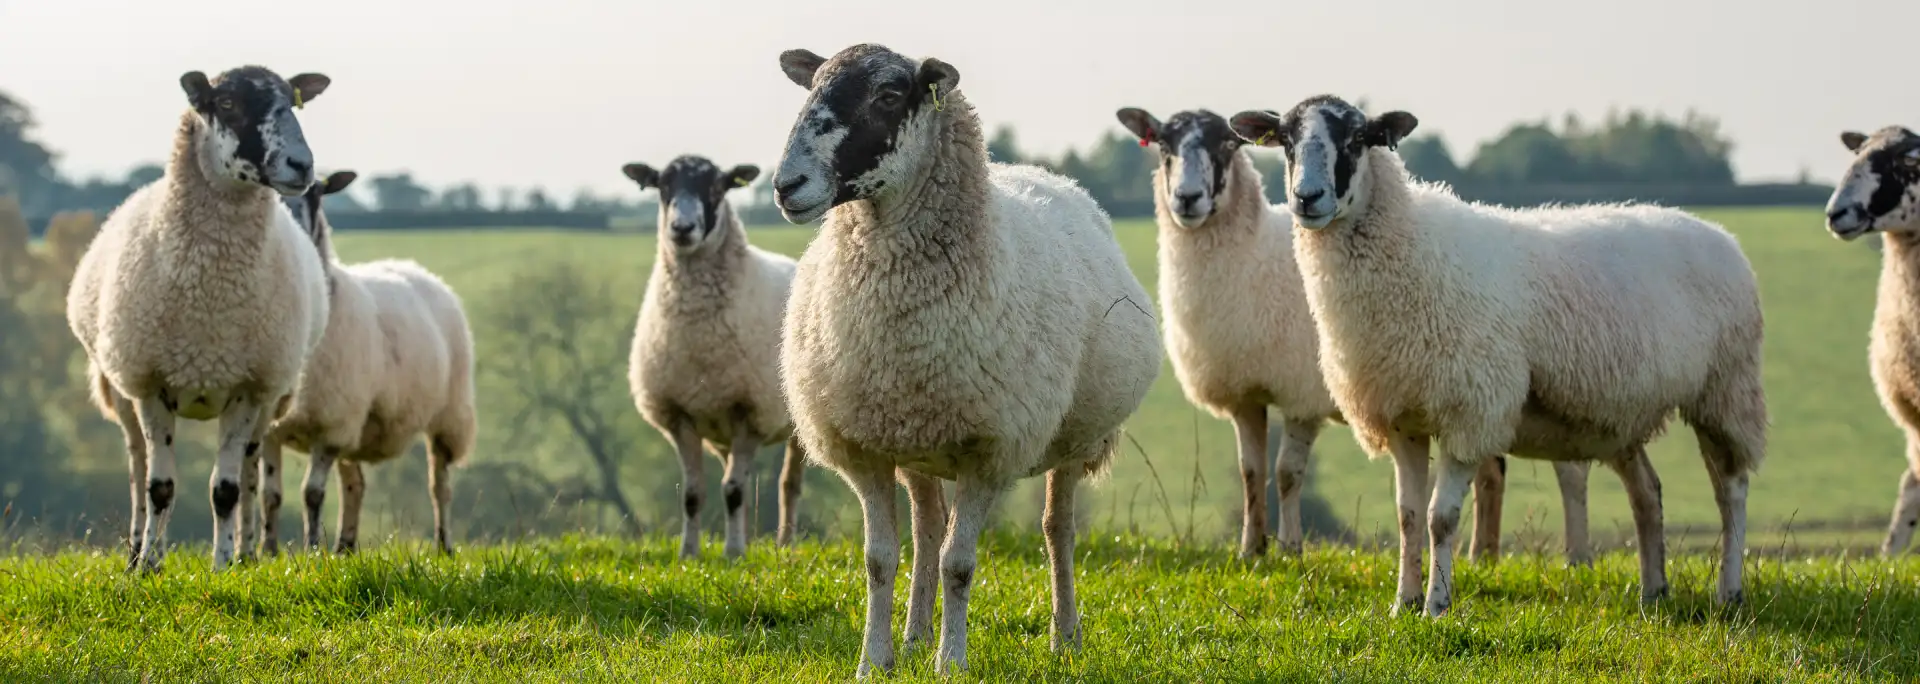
x=1557, y=333
x=1242, y=338
x=955, y=319
x=396, y=363
x=1881, y=195
x=706, y=351
x=201, y=298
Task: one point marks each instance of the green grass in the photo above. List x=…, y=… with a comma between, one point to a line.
x=1832, y=467
x=594, y=609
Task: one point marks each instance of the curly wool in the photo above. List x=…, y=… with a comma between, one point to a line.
x=212, y=293
x=1238, y=328
x=707, y=342
x=396, y=361
x=989, y=326
x=1558, y=333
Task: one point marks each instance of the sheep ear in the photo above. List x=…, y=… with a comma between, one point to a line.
x=199, y=91
x=642, y=174
x=936, y=78
x=1260, y=127
x=309, y=86
x=741, y=176
x=1143, y=125
x=1389, y=129
x=1853, y=140
x=800, y=66
x=337, y=181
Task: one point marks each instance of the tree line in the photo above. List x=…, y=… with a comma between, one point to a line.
x=1631, y=154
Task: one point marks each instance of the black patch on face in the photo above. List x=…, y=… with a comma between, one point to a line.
x=694, y=175
x=243, y=100
x=1344, y=125
x=1885, y=154
x=870, y=91
x=1215, y=136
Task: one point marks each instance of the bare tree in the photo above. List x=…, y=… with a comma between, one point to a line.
x=556, y=340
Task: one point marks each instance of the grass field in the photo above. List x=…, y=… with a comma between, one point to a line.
x=1833, y=456
x=597, y=610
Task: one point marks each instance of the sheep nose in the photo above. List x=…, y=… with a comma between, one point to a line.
x=1839, y=214
x=1186, y=198
x=1309, y=196
x=300, y=166
x=787, y=187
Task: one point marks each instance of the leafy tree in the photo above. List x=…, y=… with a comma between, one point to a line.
x=29, y=165
x=399, y=192
x=1428, y=158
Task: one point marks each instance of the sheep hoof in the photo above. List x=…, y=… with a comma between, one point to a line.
x=1732, y=599
x=1650, y=597
x=1407, y=605
x=1438, y=607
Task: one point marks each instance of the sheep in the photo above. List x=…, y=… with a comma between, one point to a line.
x=397, y=361
x=705, y=361
x=1241, y=336
x=1880, y=195
x=200, y=298
x=954, y=319
x=1569, y=333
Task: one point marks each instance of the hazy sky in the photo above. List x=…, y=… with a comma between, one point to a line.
x=560, y=93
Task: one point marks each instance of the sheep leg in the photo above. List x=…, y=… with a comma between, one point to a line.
x=1296, y=452
x=1573, y=498
x=270, y=487
x=733, y=488
x=973, y=500
x=353, y=490
x=1409, y=487
x=1058, y=525
x=692, y=477
x=250, y=487
x=239, y=424
x=1729, y=479
x=875, y=490
x=928, y=506
x=1489, y=499
x=1443, y=516
x=1906, y=504
x=439, y=458
x=1643, y=494
x=319, y=462
x=1250, y=426
x=155, y=415
x=791, y=474
x=1906, y=514
x=137, y=476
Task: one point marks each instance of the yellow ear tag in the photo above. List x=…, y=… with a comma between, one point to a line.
x=1264, y=137
x=934, y=88
x=298, y=102
x=740, y=182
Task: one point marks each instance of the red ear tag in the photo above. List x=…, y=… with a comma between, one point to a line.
x=1144, y=141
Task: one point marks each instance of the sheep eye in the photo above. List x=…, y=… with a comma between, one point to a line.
x=887, y=98
x=225, y=104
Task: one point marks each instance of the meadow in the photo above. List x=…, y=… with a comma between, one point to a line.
x=595, y=609
x=1828, y=481
x=1162, y=596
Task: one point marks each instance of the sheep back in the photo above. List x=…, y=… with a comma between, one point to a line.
x=1561, y=332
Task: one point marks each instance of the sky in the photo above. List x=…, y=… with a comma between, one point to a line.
x=560, y=93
